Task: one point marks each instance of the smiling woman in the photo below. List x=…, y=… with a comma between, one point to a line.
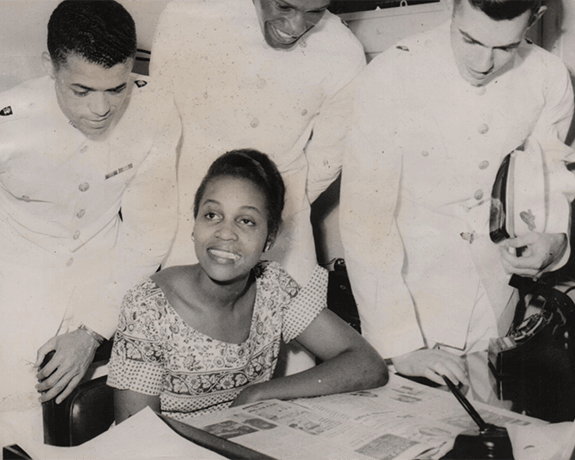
x=199, y=338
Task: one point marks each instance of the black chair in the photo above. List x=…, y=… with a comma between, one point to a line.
x=87, y=412
x=340, y=298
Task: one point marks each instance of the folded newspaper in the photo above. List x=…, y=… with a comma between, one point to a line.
x=403, y=420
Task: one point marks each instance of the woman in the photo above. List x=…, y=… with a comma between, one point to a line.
x=198, y=338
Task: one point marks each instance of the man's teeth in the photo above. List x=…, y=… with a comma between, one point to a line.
x=224, y=254
x=284, y=35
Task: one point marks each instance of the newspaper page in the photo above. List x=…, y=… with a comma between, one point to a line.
x=286, y=430
x=413, y=411
x=402, y=420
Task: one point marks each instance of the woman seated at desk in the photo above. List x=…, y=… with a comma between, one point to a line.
x=198, y=338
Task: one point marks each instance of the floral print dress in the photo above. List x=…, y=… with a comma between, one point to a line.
x=157, y=353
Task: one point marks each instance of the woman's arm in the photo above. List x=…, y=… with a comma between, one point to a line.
x=349, y=363
x=129, y=402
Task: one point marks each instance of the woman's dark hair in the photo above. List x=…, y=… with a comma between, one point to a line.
x=257, y=168
x=101, y=31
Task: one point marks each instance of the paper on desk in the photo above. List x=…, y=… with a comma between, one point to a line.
x=288, y=431
x=143, y=436
x=535, y=442
x=402, y=420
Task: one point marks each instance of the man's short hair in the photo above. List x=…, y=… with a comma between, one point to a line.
x=500, y=10
x=101, y=31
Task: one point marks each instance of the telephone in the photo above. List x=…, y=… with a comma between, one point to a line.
x=534, y=364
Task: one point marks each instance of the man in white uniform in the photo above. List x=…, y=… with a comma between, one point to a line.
x=434, y=117
x=260, y=74
x=88, y=199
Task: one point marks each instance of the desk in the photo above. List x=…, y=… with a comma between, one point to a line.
x=402, y=420
x=403, y=412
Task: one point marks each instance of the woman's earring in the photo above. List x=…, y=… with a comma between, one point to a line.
x=193, y=237
x=267, y=246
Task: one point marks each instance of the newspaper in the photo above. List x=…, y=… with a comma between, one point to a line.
x=402, y=420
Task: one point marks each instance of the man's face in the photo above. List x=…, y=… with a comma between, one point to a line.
x=482, y=46
x=284, y=22
x=91, y=96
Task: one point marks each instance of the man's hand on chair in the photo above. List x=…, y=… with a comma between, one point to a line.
x=74, y=352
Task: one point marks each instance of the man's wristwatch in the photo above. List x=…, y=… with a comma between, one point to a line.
x=97, y=337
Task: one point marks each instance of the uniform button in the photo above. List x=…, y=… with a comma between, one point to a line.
x=480, y=90
x=478, y=195
x=84, y=186
x=70, y=262
x=304, y=112
x=424, y=153
x=483, y=129
x=255, y=123
x=76, y=235
x=484, y=164
x=25, y=197
x=84, y=148
x=261, y=83
x=81, y=213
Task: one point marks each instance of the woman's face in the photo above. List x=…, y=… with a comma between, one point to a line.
x=231, y=228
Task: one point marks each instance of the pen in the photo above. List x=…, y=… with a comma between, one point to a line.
x=466, y=404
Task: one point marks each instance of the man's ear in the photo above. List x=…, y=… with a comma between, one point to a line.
x=535, y=17
x=48, y=65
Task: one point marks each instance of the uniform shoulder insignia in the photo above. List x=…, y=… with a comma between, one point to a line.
x=402, y=48
x=140, y=83
x=6, y=111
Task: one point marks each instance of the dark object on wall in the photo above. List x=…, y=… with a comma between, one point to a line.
x=534, y=364
x=349, y=6
x=340, y=298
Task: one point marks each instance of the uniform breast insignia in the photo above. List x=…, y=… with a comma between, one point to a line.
x=6, y=111
x=140, y=83
x=119, y=171
x=402, y=48
x=528, y=218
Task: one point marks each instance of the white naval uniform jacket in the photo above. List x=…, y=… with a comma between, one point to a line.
x=68, y=256
x=417, y=181
x=235, y=91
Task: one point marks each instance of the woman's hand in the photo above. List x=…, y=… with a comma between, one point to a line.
x=348, y=363
x=248, y=395
x=432, y=364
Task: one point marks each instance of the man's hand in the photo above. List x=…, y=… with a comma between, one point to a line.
x=74, y=353
x=538, y=251
x=432, y=364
